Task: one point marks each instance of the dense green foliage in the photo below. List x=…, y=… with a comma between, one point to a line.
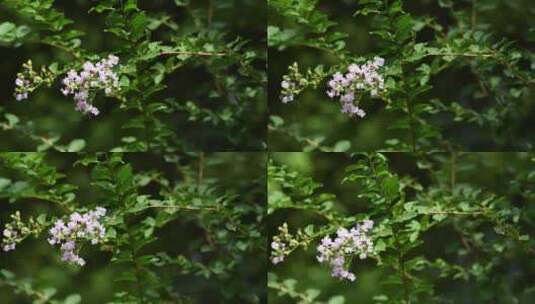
x=191, y=74
x=135, y=213
x=454, y=228
x=458, y=74
x=178, y=229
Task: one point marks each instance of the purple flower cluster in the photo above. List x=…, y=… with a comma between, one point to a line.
x=93, y=76
x=278, y=255
x=10, y=239
x=338, y=252
x=80, y=227
x=21, y=88
x=288, y=88
x=364, y=78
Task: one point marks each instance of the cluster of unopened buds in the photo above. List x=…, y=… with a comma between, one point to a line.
x=287, y=91
x=338, y=252
x=29, y=79
x=94, y=76
x=296, y=81
x=80, y=227
x=21, y=91
x=349, y=87
x=16, y=231
x=284, y=243
x=290, y=84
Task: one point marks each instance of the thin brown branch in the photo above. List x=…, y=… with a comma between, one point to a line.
x=453, y=169
x=494, y=55
x=200, y=173
x=67, y=50
x=483, y=55
x=452, y=213
x=191, y=53
x=210, y=12
x=186, y=208
x=474, y=14
x=412, y=125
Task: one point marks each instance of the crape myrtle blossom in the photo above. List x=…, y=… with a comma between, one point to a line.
x=338, y=252
x=349, y=87
x=80, y=227
x=94, y=76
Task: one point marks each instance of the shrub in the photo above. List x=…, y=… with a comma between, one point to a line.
x=403, y=75
x=402, y=228
x=164, y=76
x=133, y=228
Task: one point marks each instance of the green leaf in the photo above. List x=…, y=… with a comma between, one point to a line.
x=4, y=182
x=131, y=5
x=337, y=300
x=41, y=219
x=76, y=145
x=404, y=26
x=182, y=2
x=22, y=31
x=342, y=146
x=7, y=274
x=309, y=230
x=125, y=177
x=159, y=74
x=12, y=119
x=312, y=293
x=7, y=28
x=380, y=298
x=53, y=67
x=380, y=246
x=391, y=187
x=413, y=236
x=138, y=25
x=445, y=3
x=124, y=82
x=73, y=299
x=49, y=292
x=276, y=121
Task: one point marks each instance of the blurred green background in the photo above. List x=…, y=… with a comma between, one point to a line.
x=505, y=174
x=53, y=113
x=315, y=115
x=35, y=260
